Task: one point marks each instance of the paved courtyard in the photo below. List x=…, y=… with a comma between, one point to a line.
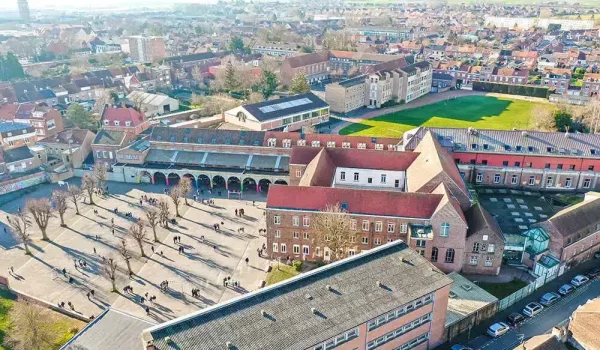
x=203, y=264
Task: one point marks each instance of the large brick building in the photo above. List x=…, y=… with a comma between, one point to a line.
x=418, y=197
x=529, y=160
x=340, y=305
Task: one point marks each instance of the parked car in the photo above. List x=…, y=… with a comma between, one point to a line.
x=566, y=289
x=597, y=255
x=532, y=309
x=579, y=280
x=549, y=298
x=593, y=273
x=459, y=347
x=515, y=319
x=498, y=329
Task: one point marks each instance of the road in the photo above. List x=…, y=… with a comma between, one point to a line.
x=543, y=322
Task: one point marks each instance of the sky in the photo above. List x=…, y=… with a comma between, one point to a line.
x=33, y=4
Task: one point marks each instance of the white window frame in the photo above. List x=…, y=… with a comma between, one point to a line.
x=275, y=247
x=391, y=227
x=353, y=224
x=489, y=261
x=473, y=261
x=383, y=178
x=403, y=228
x=277, y=220
x=365, y=240
x=306, y=221
x=283, y=248
x=365, y=225
x=342, y=176
x=378, y=226
x=514, y=179
x=479, y=178
x=277, y=233
x=295, y=221
x=445, y=229
x=531, y=180
x=305, y=250
x=296, y=249
x=497, y=178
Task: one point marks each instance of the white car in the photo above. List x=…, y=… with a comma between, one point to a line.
x=549, y=298
x=498, y=329
x=566, y=289
x=579, y=280
x=532, y=309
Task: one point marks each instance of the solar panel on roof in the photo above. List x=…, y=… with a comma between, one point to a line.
x=285, y=105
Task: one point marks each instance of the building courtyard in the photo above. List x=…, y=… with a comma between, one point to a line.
x=208, y=255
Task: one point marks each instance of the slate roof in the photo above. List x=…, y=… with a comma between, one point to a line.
x=112, y=329
x=109, y=137
x=463, y=302
x=310, y=58
x=17, y=154
x=358, y=158
x=554, y=144
x=289, y=322
x=76, y=136
x=255, y=108
x=359, y=201
x=353, y=81
x=12, y=127
x=207, y=136
x=479, y=219
x=577, y=217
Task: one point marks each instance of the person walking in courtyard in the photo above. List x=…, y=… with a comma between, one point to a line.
x=247, y=260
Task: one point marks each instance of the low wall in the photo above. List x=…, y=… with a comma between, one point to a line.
x=24, y=297
x=116, y=175
x=570, y=99
x=20, y=183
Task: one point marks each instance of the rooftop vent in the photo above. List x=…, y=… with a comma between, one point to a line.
x=328, y=287
x=378, y=283
x=466, y=287
x=229, y=345
x=313, y=310
x=167, y=340
x=263, y=312
x=567, y=135
x=524, y=134
x=308, y=296
x=472, y=131
x=452, y=295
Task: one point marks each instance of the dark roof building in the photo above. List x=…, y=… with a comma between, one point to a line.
x=332, y=304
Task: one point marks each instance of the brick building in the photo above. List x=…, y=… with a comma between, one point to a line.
x=147, y=48
x=125, y=119
x=418, y=197
x=520, y=159
x=70, y=146
x=14, y=135
x=338, y=305
x=45, y=120
x=591, y=84
x=288, y=113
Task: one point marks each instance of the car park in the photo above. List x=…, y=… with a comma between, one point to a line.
x=498, y=329
x=566, y=289
x=593, y=273
x=532, y=309
x=579, y=280
x=515, y=319
x=549, y=298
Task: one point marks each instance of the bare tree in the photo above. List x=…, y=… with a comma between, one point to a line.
x=75, y=193
x=592, y=115
x=101, y=174
x=138, y=232
x=175, y=195
x=185, y=186
x=60, y=204
x=333, y=229
x=41, y=210
x=31, y=328
x=20, y=224
x=153, y=218
x=88, y=184
x=164, y=212
x=126, y=254
x=543, y=119
x=109, y=270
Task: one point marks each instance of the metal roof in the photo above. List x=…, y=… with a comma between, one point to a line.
x=282, y=107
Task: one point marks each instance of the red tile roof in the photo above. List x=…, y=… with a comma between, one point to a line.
x=8, y=111
x=367, y=202
x=357, y=158
x=122, y=115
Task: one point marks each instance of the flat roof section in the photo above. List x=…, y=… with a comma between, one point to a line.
x=514, y=210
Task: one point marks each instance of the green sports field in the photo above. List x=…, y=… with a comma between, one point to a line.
x=484, y=112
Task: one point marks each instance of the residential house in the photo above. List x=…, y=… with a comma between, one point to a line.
x=15, y=135
x=69, y=146
x=125, y=119
x=153, y=104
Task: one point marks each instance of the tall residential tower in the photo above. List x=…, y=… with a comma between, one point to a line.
x=24, y=10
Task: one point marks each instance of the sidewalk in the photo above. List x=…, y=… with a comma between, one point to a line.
x=551, y=286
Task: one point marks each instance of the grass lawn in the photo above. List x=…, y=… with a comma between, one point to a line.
x=502, y=290
x=280, y=274
x=484, y=112
x=62, y=326
x=6, y=302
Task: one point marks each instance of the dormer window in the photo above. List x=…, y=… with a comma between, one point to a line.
x=287, y=143
x=519, y=148
x=128, y=123
x=362, y=145
x=316, y=143
x=486, y=146
x=474, y=146
x=345, y=144
x=331, y=144
x=301, y=143
x=272, y=142
x=530, y=149
x=106, y=122
x=549, y=149
x=117, y=123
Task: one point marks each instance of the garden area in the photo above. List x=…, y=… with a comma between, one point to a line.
x=282, y=272
x=484, y=112
x=24, y=326
x=502, y=290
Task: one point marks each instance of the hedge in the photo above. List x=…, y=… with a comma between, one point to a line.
x=523, y=90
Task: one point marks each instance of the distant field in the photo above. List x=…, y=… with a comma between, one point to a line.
x=483, y=112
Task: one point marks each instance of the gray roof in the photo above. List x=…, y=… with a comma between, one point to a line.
x=228, y=160
x=554, y=144
x=109, y=137
x=207, y=136
x=112, y=329
x=17, y=154
x=289, y=322
x=465, y=298
x=353, y=81
x=285, y=106
x=160, y=156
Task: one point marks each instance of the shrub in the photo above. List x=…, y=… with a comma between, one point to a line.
x=297, y=265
